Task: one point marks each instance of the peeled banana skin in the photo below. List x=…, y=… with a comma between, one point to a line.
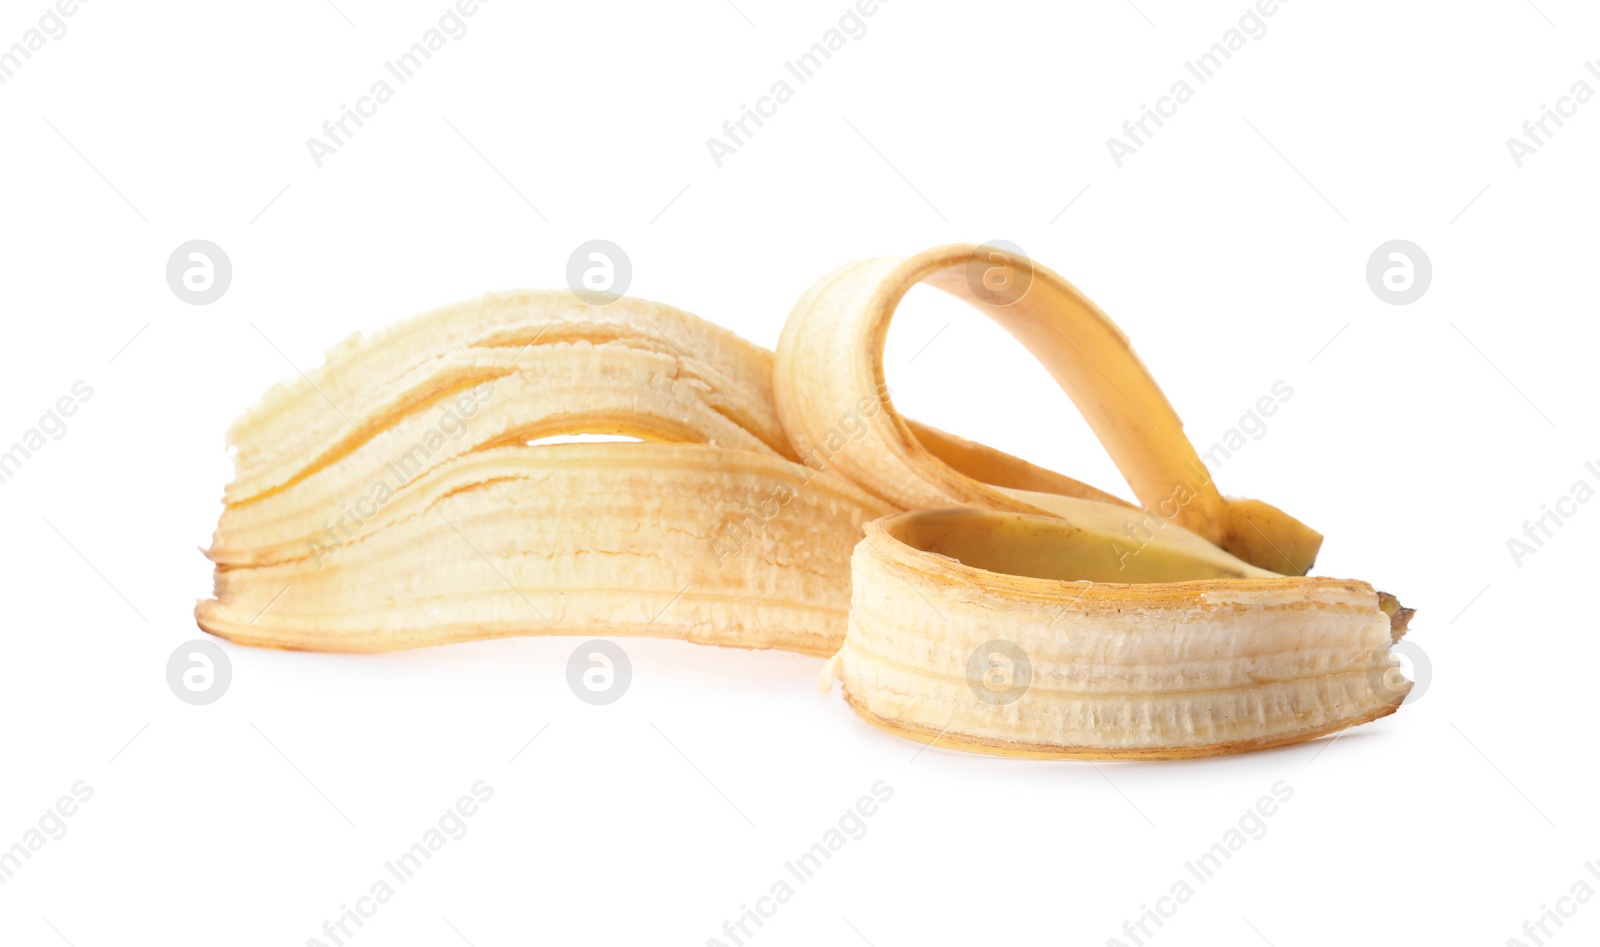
x=966, y=628
x=402, y=495
x=408, y=509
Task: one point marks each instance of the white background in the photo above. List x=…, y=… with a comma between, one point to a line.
x=1232, y=249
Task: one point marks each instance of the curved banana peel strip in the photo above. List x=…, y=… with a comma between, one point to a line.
x=1024, y=635
x=832, y=350
x=398, y=496
x=591, y=539
x=392, y=499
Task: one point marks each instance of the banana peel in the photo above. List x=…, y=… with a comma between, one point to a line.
x=404, y=494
